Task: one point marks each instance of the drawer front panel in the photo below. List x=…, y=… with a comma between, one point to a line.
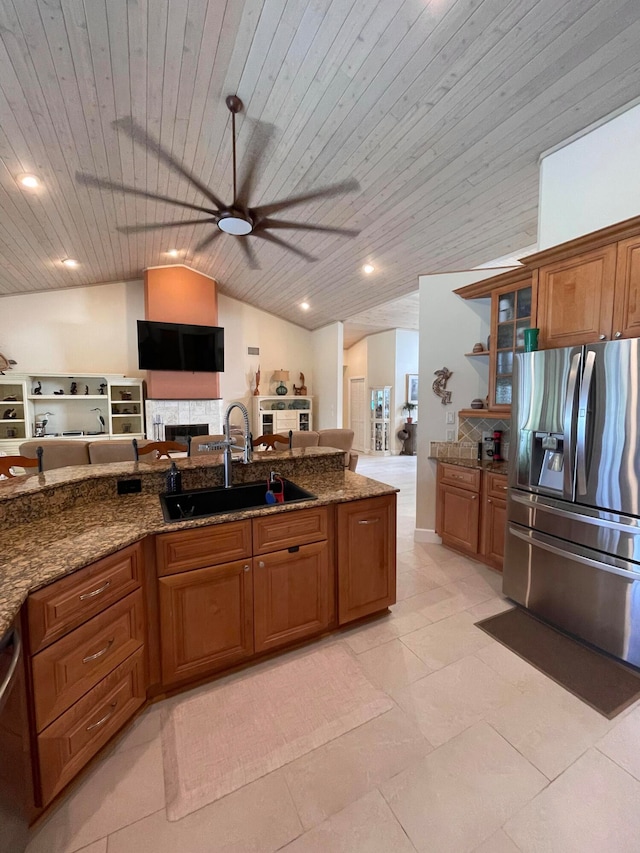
x=209, y=546
x=65, y=671
x=463, y=478
x=496, y=486
x=288, y=529
x=67, y=603
x=69, y=742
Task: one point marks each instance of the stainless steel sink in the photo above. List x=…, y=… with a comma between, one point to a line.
x=203, y=502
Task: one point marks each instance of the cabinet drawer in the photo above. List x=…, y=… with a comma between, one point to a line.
x=65, y=671
x=462, y=478
x=496, y=486
x=208, y=546
x=67, y=744
x=67, y=603
x=288, y=529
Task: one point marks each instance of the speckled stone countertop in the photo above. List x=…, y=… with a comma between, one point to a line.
x=55, y=523
x=493, y=467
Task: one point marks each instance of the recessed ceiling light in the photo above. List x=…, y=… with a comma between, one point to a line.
x=173, y=252
x=305, y=306
x=368, y=268
x=70, y=262
x=29, y=181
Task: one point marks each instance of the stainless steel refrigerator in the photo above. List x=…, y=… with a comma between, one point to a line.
x=572, y=552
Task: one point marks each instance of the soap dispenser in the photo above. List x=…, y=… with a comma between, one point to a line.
x=174, y=480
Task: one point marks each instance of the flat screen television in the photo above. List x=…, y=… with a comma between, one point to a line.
x=177, y=346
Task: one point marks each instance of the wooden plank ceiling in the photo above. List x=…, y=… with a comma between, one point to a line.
x=439, y=108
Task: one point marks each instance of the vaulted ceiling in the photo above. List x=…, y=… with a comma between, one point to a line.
x=439, y=109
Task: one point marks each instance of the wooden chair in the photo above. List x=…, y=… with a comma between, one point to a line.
x=161, y=448
x=269, y=441
x=9, y=462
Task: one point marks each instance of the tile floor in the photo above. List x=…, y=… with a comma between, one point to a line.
x=479, y=753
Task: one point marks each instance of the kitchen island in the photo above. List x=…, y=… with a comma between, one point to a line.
x=118, y=607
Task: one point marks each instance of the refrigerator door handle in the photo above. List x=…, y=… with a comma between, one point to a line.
x=569, y=406
x=581, y=431
x=540, y=541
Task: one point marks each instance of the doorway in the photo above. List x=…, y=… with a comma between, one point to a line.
x=358, y=413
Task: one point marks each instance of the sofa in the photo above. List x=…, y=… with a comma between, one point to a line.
x=342, y=439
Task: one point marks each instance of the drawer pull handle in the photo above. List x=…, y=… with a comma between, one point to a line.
x=95, y=591
x=504, y=488
x=369, y=521
x=104, y=719
x=100, y=653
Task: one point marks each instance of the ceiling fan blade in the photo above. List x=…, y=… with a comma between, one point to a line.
x=139, y=135
x=324, y=192
x=208, y=240
x=253, y=158
x=249, y=253
x=271, y=238
x=100, y=183
x=135, y=229
x=306, y=226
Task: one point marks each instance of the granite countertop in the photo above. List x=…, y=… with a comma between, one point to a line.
x=37, y=552
x=493, y=467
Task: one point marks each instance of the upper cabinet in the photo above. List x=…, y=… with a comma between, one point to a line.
x=511, y=314
x=626, y=305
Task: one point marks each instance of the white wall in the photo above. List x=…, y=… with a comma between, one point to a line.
x=328, y=345
x=407, y=348
x=355, y=365
x=591, y=182
x=449, y=327
x=79, y=330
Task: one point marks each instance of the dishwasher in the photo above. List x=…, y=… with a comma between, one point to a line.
x=15, y=772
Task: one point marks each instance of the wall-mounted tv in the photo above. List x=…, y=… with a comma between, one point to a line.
x=177, y=346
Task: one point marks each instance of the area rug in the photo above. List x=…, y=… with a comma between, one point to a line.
x=602, y=682
x=235, y=733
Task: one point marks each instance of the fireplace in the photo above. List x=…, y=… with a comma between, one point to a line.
x=180, y=432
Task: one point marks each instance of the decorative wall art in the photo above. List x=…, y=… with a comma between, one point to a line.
x=412, y=388
x=440, y=383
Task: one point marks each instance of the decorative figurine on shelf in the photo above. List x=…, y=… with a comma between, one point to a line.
x=9, y=414
x=102, y=388
x=37, y=391
x=135, y=410
x=86, y=390
x=5, y=363
x=443, y=375
x=58, y=393
x=10, y=398
x=301, y=390
x=256, y=393
x=100, y=419
x=126, y=395
x=74, y=388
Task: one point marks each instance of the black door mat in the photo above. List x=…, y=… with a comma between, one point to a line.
x=602, y=682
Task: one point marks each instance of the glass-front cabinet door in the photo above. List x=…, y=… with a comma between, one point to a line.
x=380, y=420
x=511, y=313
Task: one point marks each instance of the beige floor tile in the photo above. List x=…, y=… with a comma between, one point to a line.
x=491, y=607
x=622, y=743
x=463, y=792
x=591, y=808
x=413, y=559
x=550, y=727
x=447, y=641
x=498, y=843
x=516, y=670
x=454, y=698
x=392, y=666
x=411, y=583
x=389, y=627
x=367, y=826
x=339, y=773
x=96, y=847
x=123, y=788
x=258, y=818
x=145, y=729
x=460, y=595
x=448, y=571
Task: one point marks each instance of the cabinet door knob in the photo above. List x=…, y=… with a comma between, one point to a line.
x=473, y=497
x=602, y=337
x=489, y=501
x=260, y=565
x=618, y=335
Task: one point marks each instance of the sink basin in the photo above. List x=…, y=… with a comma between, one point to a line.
x=203, y=502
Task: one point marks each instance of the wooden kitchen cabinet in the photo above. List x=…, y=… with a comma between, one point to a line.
x=206, y=620
x=626, y=305
x=366, y=535
x=459, y=517
x=292, y=592
x=494, y=518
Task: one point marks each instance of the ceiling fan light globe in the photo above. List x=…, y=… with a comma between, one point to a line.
x=234, y=222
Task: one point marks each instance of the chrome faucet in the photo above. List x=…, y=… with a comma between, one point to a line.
x=229, y=442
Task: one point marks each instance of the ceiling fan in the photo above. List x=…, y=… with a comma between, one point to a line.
x=238, y=218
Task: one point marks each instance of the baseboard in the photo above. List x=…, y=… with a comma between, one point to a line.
x=424, y=534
